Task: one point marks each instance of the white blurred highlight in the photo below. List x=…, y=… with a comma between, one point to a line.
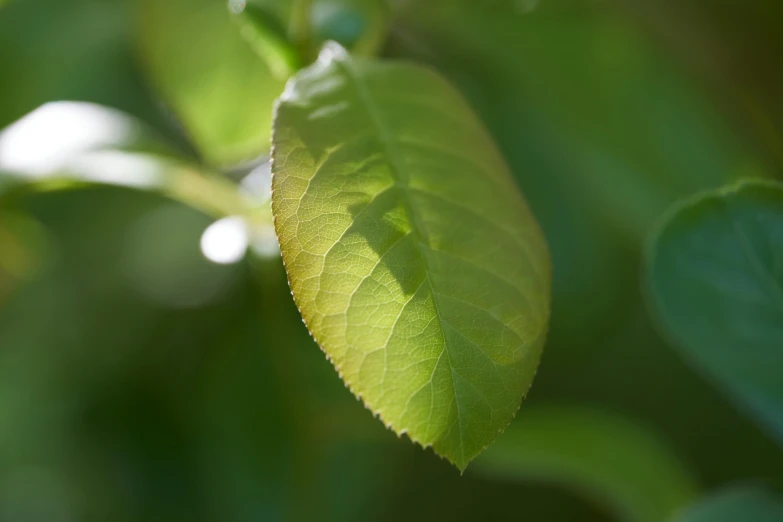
x=237, y=6
x=118, y=168
x=45, y=140
x=258, y=184
x=225, y=241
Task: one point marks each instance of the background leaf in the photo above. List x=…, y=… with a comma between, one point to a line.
x=747, y=504
x=410, y=253
x=715, y=274
x=606, y=457
x=220, y=89
x=267, y=36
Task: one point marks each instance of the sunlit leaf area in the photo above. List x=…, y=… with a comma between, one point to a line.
x=391, y=260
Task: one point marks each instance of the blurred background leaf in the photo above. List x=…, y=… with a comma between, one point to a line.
x=612, y=461
x=746, y=503
x=219, y=88
x=715, y=278
x=267, y=35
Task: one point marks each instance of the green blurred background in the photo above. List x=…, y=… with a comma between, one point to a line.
x=140, y=380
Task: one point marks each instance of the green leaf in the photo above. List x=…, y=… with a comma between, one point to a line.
x=739, y=504
x=266, y=36
x=217, y=85
x=605, y=457
x=411, y=254
x=715, y=274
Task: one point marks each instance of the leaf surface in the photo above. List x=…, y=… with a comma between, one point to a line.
x=411, y=254
x=715, y=274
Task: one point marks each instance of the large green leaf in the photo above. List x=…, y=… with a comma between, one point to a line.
x=220, y=89
x=715, y=274
x=744, y=504
x=605, y=457
x=410, y=252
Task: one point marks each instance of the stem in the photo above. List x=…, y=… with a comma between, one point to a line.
x=210, y=193
x=277, y=52
x=213, y=195
x=299, y=28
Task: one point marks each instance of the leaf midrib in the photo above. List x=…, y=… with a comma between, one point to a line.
x=401, y=180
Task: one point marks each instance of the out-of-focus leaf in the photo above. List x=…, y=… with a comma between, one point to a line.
x=220, y=89
x=412, y=256
x=741, y=504
x=267, y=37
x=715, y=277
x=606, y=457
